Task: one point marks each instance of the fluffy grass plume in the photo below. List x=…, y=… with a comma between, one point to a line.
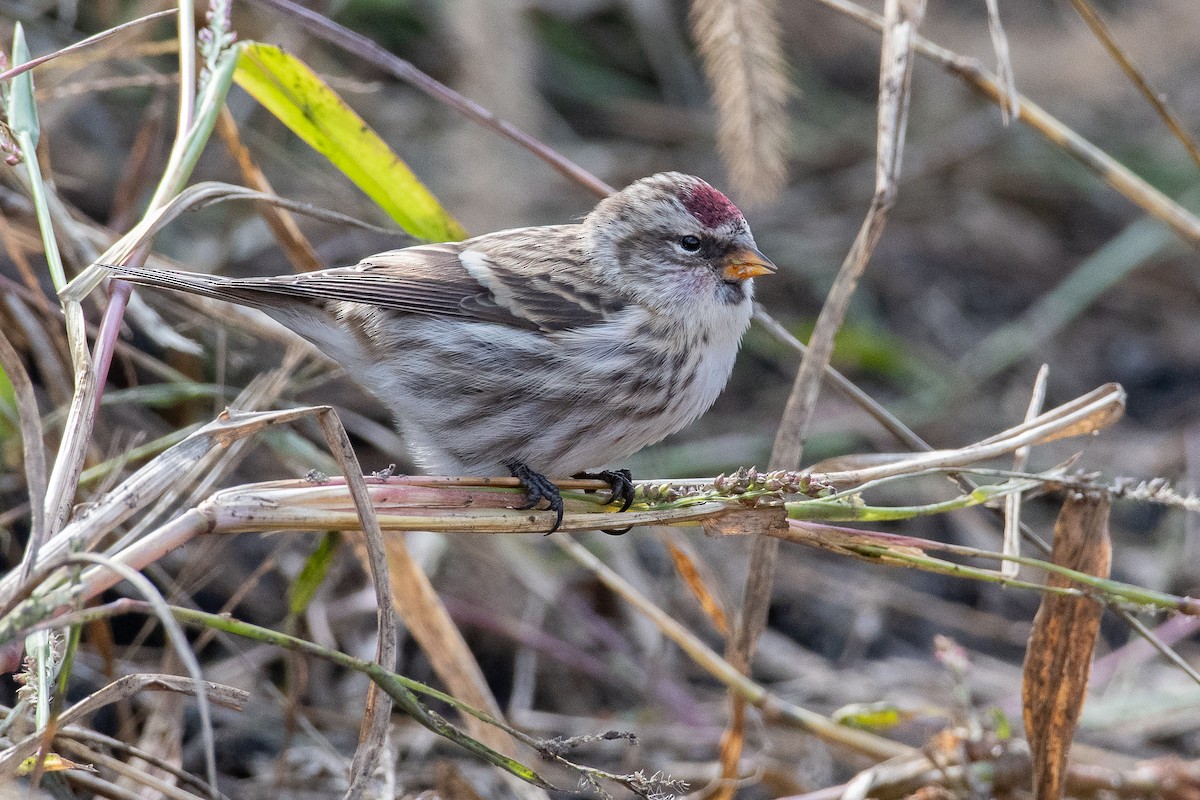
x=740, y=47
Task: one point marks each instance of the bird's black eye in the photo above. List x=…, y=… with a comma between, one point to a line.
x=690, y=243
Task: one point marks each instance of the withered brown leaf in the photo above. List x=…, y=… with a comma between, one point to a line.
x=1058, y=659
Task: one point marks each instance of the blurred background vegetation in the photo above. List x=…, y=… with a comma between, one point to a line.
x=989, y=220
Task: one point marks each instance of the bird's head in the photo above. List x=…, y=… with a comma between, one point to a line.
x=672, y=239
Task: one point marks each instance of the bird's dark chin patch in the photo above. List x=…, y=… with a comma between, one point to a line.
x=731, y=292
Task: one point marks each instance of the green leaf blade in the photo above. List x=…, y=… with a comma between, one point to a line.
x=316, y=568
x=22, y=109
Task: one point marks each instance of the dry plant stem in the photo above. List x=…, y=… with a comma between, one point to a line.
x=906, y=550
x=233, y=512
x=129, y=774
x=773, y=707
x=1157, y=642
x=373, y=732
x=192, y=486
x=122, y=689
x=894, y=82
x=68, y=463
x=887, y=420
x=1137, y=190
x=175, y=172
x=33, y=448
x=1156, y=99
x=1004, y=68
x=201, y=195
x=435, y=631
x=402, y=689
x=178, y=641
x=118, y=505
x=912, y=440
x=1012, y=503
x=1091, y=412
x=64, y=477
x=893, y=104
x=84, y=737
x=876, y=546
x=364, y=48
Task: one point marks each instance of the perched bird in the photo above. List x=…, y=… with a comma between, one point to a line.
x=534, y=351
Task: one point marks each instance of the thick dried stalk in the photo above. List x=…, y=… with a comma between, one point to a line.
x=894, y=81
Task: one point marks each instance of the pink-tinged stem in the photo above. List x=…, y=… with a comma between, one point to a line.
x=106, y=338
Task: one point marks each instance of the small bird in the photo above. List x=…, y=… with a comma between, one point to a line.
x=534, y=351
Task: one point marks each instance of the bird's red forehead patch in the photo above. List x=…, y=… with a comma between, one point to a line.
x=709, y=206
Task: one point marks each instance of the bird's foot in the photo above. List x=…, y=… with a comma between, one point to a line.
x=620, y=483
x=538, y=488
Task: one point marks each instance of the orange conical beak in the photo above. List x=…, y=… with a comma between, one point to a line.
x=741, y=265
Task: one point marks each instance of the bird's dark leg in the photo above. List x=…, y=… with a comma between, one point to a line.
x=538, y=488
x=620, y=483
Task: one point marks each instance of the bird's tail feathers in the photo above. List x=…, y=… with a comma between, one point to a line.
x=231, y=290
x=304, y=315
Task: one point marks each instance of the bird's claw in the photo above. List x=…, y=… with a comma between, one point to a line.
x=538, y=488
x=620, y=483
